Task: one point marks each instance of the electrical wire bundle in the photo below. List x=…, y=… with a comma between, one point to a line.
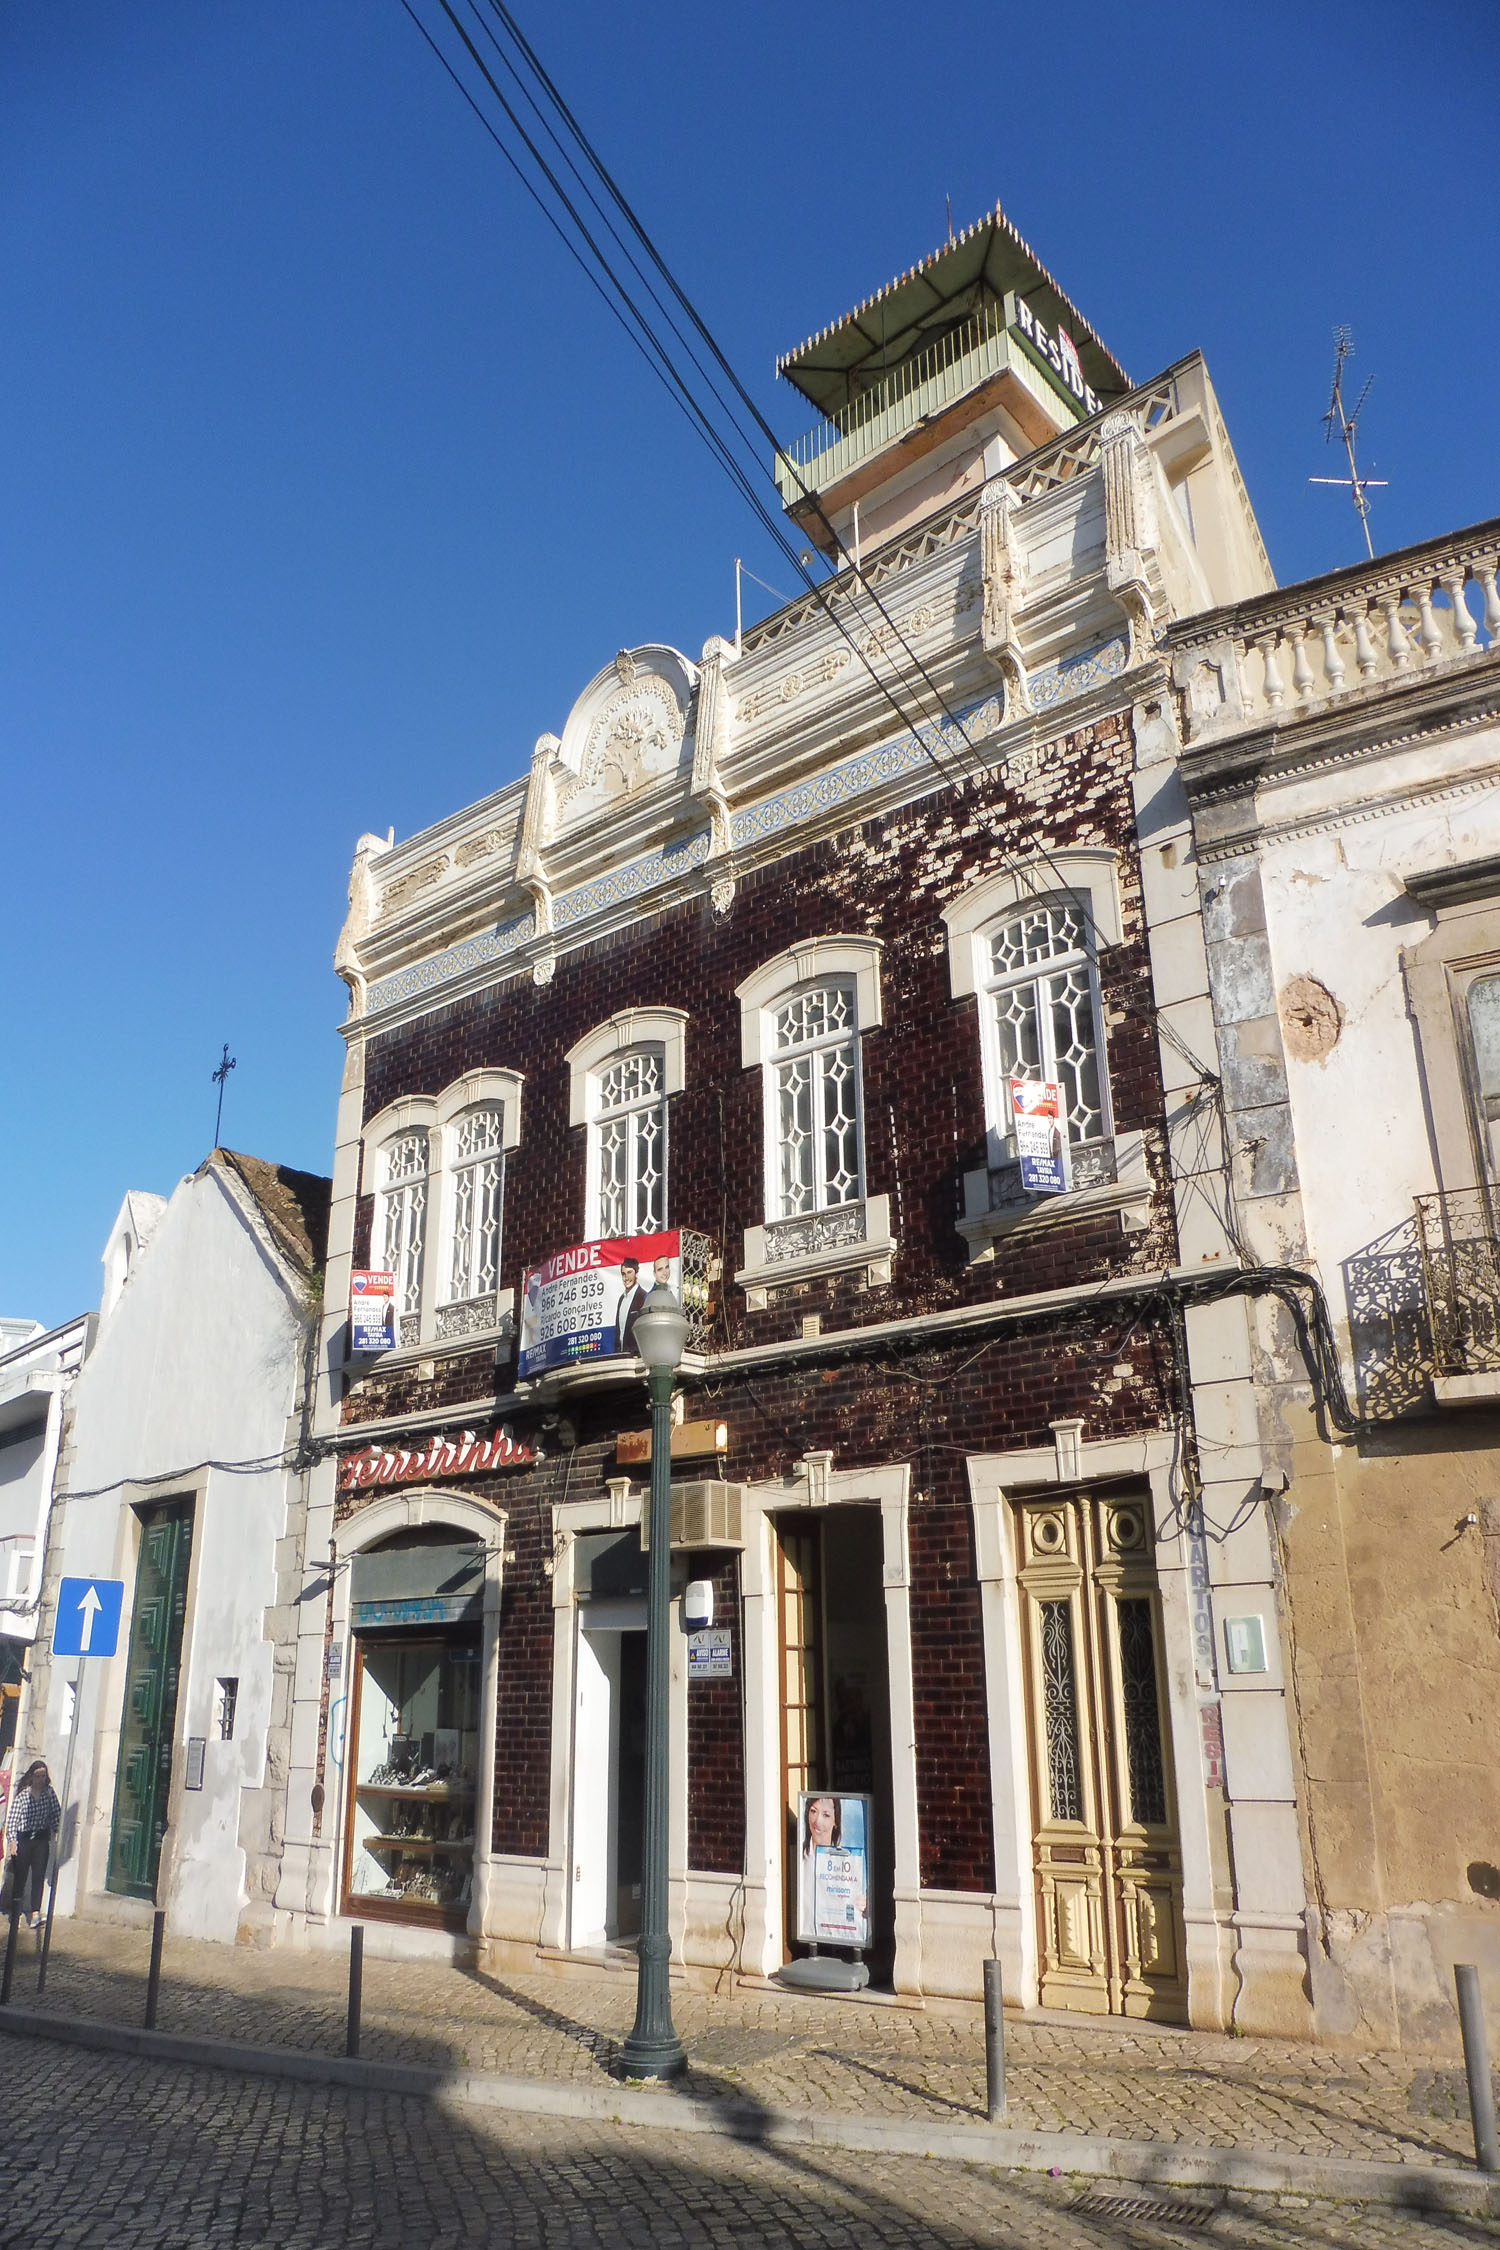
x=484, y=51
x=482, y=47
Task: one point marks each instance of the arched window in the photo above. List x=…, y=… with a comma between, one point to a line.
x=437, y=1167
x=815, y=1077
x=475, y=1160
x=804, y=1018
x=630, y=1128
x=401, y=1222
x=622, y=1077
x=1041, y=986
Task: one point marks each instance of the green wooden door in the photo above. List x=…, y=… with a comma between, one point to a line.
x=143, y=1775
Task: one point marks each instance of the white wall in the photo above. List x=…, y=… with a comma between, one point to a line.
x=1337, y=909
x=197, y=1363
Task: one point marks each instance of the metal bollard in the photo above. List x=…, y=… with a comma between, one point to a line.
x=10, y=1956
x=1477, y=2067
x=153, y=1978
x=356, y=1986
x=994, y=2044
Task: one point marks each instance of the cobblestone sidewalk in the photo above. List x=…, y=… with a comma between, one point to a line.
x=785, y=2051
x=108, y=2153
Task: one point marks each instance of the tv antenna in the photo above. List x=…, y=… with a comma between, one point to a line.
x=1339, y=418
x=221, y=1077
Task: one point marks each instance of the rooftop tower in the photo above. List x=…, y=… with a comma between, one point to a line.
x=959, y=366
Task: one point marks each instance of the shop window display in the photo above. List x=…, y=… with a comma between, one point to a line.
x=412, y=1786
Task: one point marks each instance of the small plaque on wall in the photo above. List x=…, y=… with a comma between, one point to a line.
x=711, y=1654
x=197, y=1746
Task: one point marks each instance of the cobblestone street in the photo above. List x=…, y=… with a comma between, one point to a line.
x=1139, y=2082
x=106, y=2154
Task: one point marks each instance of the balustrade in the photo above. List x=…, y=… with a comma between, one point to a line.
x=1399, y=619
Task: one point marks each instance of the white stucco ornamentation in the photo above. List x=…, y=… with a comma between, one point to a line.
x=627, y=730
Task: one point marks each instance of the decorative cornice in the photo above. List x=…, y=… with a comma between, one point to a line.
x=1235, y=844
x=1310, y=742
x=893, y=772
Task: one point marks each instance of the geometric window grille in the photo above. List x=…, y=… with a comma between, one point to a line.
x=1143, y=1762
x=403, y=1216
x=1060, y=1712
x=477, y=1164
x=1043, y=998
x=815, y=1047
x=630, y=1125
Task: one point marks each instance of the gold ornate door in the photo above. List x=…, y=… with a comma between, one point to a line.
x=1107, y=1858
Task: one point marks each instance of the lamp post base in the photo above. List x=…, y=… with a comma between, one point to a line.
x=663, y=2058
x=653, y=2049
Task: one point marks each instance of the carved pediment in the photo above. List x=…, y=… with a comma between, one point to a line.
x=627, y=730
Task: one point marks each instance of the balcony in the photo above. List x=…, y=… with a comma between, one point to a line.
x=980, y=350
x=1427, y=610
x=1107, y=1176
x=1459, y=1238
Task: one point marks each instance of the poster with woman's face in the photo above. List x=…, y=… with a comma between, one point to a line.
x=833, y=1862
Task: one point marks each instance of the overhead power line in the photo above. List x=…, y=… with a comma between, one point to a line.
x=644, y=296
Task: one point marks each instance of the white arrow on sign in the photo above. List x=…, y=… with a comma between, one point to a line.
x=90, y=1607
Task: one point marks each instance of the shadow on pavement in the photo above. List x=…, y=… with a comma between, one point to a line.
x=104, y=2153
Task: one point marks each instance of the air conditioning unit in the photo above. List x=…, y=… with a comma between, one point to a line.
x=706, y=1513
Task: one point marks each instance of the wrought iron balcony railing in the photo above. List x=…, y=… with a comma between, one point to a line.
x=1459, y=1236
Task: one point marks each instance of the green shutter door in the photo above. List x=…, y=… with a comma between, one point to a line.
x=144, y=1774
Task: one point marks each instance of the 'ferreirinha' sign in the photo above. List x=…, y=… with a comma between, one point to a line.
x=463, y=1456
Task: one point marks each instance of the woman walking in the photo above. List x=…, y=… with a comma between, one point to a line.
x=31, y=1822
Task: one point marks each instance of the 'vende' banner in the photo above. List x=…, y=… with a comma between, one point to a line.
x=584, y=1302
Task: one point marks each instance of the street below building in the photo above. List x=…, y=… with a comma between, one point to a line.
x=104, y=2153
x=800, y=2052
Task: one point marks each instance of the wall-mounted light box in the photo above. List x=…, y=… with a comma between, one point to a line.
x=1245, y=1644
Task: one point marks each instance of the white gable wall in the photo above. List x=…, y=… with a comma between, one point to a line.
x=197, y=1363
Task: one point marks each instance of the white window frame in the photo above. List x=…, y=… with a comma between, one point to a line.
x=1034, y=974
x=661, y=1030
x=813, y=1049
x=477, y=1089
x=868, y=1246
x=416, y=1114
x=1089, y=875
x=435, y=1117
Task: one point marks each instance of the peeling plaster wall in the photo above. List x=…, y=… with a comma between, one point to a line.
x=1387, y=1595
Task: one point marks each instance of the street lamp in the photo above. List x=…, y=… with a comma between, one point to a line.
x=653, y=2049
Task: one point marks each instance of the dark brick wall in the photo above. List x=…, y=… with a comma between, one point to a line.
x=923, y=1092
x=931, y=1410
x=716, y=1751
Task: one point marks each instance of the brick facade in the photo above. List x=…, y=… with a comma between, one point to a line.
x=928, y=1402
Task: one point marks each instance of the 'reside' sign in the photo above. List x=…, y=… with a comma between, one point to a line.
x=465, y=1455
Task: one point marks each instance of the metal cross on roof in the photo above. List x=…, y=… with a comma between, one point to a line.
x=220, y=1076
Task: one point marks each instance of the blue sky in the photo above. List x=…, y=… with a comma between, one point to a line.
x=325, y=482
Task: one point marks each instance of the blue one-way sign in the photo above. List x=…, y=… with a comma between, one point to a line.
x=88, y=1616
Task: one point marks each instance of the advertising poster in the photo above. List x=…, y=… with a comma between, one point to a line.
x=833, y=1860
x=372, y=1311
x=583, y=1303
x=1039, y=1123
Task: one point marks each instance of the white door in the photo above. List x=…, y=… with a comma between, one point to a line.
x=596, y=1767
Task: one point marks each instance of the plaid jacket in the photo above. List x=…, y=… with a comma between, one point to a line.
x=33, y=1812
